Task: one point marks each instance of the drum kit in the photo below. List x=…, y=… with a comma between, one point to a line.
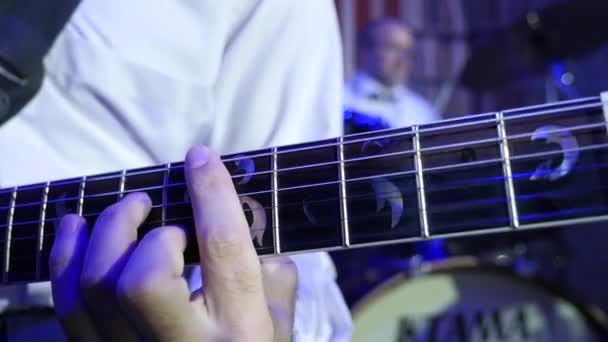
x=460, y=291
x=480, y=289
x=461, y=299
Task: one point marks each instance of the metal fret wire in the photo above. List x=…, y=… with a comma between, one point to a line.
x=275, y=203
x=343, y=196
x=424, y=222
x=41, y=230
x=121, y=185
x=83, y=184
x=507, y=172
x=163, y=214
x=7, y=245
x=604, y=101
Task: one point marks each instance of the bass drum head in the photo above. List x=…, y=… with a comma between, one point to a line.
x=464, y=303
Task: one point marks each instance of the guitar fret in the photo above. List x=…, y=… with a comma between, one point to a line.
x=604, y=100
x=151, y=181
x=559, y=173
x=508, y=173
x=121, y=185
x=343, y=198
x=310, y=217
x=275, y=201
x=424, y=223
x=45, y=197
x=83, y=183
x=7, y=237
x=164, y=200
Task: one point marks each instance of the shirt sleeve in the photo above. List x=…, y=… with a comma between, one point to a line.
x=113, y=90
x=321, y=313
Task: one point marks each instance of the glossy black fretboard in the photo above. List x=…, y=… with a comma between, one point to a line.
x=480, y=174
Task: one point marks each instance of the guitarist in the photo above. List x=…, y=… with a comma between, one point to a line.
x=134, y=84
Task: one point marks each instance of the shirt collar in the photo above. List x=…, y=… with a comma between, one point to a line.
x=364, y=85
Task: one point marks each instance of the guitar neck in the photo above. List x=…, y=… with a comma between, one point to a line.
x=520, y=169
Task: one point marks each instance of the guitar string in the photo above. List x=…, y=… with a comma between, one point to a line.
x=241, y=175
x=447, y=167
x=161, y=168
x=338, y=243
x=387, y=195
x=180, y=220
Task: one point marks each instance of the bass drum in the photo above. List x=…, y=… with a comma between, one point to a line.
x=457, y=300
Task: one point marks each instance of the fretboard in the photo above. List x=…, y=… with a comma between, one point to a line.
x=519, y=169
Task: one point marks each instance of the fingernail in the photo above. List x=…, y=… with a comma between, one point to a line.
x=197, y=157
x=142, y=197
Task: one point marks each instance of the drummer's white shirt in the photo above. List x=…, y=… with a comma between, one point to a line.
x=402, y=107
x=135, y=83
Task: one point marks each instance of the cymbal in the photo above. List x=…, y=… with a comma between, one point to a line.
x=568, y=30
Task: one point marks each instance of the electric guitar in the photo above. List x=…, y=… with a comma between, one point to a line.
x=527, y=168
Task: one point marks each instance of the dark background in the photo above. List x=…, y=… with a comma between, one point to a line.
x=477, y=56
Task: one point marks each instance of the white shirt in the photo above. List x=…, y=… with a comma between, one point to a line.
x=397, y=106
x=135, y=83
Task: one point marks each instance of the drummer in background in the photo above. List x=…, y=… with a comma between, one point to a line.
x=379, y=88
x=377, y=97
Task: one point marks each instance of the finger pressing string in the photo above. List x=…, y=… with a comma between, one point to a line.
x=230, y=266
x=65, y=265
x=112, y=241
x=154, y=293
